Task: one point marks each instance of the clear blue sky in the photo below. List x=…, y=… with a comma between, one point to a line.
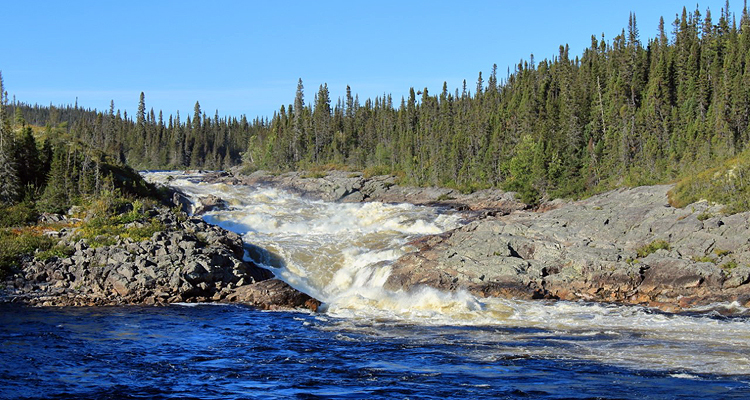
x=244, y=57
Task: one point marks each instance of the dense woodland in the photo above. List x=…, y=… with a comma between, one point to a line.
x=624, y=112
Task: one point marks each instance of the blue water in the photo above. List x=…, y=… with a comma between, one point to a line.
x=235, y=352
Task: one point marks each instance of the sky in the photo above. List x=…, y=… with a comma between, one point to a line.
x=245, y=57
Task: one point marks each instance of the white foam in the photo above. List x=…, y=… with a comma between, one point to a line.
x=340, y=254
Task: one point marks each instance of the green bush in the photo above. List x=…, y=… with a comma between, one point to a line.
x=60, y=251
x=111, y=222
x=16, y=242
x=727, y=184
x=376, y=170
x=144, y=232
x=20, y=214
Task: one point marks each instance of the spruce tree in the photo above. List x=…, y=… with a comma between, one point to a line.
x=9, y=182
x=56, y=197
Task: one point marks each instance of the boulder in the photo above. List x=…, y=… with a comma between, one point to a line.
x=209, y=203
x=273, y=294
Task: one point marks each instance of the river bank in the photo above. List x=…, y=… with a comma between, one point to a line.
x=188, y=261
x=625, y=246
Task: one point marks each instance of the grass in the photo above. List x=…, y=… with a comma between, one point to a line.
x=722, y=252
x=652, y=248
x=727, y=184
x=15, y=242
x=707, y=259
x=445, y=197
x=704, y=216
x=729, y=265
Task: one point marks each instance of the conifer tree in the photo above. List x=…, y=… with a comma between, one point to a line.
x=9, y=182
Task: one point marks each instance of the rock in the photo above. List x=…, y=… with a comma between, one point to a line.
x=209, y=203
x=273, y=294
x=588, y=250
x=170, y=266
x=195, y=272
x=182, y=201
x=119, y=283
x=738, y=277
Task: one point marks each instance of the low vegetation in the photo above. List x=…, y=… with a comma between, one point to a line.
x=727, y=184
x=17, y=242
x=652, y=248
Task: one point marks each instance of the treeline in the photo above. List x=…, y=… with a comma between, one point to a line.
x=55, y=156
x=55, y=172
x=624, y=112
x=150, y=140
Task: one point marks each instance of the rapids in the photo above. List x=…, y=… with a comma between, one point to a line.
x=340, y=254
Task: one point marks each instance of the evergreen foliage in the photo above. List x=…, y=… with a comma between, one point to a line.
x=627, y=111
x=9, y=180
x=623, y=113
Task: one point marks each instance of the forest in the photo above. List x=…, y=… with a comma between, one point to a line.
x=625, y=112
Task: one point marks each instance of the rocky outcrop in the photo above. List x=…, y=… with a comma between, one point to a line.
x=273, y=294
x=348, y=187
x=189, y=261
x=625, y=246
x=208, y=203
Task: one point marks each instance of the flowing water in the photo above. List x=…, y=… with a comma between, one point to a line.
x=367, y=342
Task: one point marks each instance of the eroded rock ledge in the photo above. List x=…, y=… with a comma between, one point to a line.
x=624, y=246
x=353, y=187
x=627, y=246
x=190, y=261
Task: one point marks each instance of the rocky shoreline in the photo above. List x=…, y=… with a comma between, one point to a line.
x=624, y=246
x=189, y=261
x=354, y=187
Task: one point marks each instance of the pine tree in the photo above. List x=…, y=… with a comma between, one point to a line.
x=27, y=159
x=56, y=197
x=9, y=182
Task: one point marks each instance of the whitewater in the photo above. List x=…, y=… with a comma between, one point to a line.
x=340, y=254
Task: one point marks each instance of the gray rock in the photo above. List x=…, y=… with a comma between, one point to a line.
x=273, y=294
x=170, y=266
x=587, y=250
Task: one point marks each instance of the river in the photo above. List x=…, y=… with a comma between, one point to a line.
x=366, y=342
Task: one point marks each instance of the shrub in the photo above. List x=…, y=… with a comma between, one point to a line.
x=58, y=250
x=727, y=184
x=18, y=215
x=14, y=243
x=376, y=170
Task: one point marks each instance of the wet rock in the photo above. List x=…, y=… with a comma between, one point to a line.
x=209, y=203
x=273, y=294
x=353, y=187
